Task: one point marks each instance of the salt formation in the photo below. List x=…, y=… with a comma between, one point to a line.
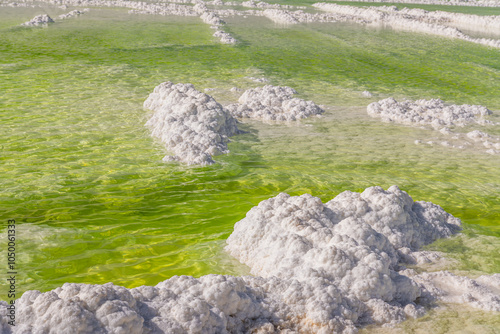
x=417, y=21
x=73, y=13
x=273, y=103
x=225, y=37
x=190, y=123
x=39, y=20
x=280, y=16
x=472, y=3
x=432, y=112
x=324, y=268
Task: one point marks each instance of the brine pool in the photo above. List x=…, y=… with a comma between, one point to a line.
x=94, y=203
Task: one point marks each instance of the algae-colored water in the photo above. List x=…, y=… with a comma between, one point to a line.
x=95, y=204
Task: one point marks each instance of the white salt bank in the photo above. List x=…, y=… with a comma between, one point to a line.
x=191, y=124
x=273, y=103
x=432, y=112
x=321, y=268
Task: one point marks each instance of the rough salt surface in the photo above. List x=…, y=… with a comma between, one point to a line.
x=190, y=123
x=427, y=112
x=323, y=268
x=273, y=103
x=39, y=20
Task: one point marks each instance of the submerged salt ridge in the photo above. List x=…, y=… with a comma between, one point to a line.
x=322, y=268
x=439, y=116
x=428, y=112
x=190, y=123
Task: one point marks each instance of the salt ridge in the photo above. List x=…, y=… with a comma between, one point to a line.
x=418, y=21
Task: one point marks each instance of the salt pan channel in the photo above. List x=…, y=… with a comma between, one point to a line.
x=190, y=123
x=273, y=103
x=321, y=268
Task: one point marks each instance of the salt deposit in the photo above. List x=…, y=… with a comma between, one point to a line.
x=225, y=37
x=322, y=268
x=190, y=123
x=73, y=13
x=440, y=23
x=39, y=20
x=280, y=16
x=432, y=112
x=273, y=103
x=473, y=3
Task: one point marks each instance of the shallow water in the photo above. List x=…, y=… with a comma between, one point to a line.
x=85, y=181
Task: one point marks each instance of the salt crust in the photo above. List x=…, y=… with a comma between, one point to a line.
x=323, y=268
x=482, y=293
x=39, y=20
x=432, y=112
x=190, y=123
x=273, y=103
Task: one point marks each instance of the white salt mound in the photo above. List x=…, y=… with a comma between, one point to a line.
x=273, y=103
x=190, y=123
x=324, y=268
x=39, y=20
x=432, y=112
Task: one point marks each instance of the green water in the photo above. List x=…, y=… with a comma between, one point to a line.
x=95, y=204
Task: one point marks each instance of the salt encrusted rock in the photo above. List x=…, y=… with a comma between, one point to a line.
x=190, y=123
x=427, y=112
x=367, y=94
x=273, y=103
x=39, y=20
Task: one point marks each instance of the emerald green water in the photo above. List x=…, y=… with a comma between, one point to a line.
x=95, y=204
